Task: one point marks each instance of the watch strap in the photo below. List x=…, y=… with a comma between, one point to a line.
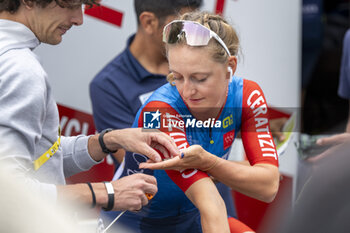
x=102, y=144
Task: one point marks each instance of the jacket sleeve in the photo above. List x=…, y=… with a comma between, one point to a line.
x=76, y=157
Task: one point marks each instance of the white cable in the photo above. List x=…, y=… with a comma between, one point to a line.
x=105, y=230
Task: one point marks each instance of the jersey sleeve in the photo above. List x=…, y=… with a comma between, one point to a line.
x=255, y=130
x=160, y=115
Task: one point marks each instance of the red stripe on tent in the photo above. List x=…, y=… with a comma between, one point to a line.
x=106, y=14
x=220, y=7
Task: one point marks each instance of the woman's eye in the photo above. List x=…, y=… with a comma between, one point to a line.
x=176, y=78
x=199, y=80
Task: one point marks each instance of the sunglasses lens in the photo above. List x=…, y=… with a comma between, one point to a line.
x=171, y=32
x=196, y=35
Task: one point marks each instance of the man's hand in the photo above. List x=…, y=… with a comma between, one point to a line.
x=192, y=157
x=334, y=140
x=130, y=192
x=142, y=141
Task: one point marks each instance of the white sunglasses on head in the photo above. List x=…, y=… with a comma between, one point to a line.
x=196, y=34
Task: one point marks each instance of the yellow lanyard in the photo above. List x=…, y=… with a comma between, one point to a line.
x=49, y=153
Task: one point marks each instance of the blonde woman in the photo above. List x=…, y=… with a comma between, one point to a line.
x=203, y=108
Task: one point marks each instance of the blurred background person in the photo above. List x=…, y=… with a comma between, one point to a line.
x=343, y=92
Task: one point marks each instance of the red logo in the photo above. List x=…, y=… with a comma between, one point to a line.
x=228, y=139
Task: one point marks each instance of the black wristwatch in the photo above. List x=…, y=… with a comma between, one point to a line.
x=102, y=144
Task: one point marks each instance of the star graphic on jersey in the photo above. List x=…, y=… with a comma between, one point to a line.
x=155, y=115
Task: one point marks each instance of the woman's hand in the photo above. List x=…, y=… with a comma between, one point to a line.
x=192, y=157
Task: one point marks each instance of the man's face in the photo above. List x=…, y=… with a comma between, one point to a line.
x=49, y=24
x=168, y=19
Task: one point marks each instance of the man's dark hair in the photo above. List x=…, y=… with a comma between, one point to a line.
x=163, y=8
x=13, y=5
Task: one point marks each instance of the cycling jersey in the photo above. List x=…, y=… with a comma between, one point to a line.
x=245, y=110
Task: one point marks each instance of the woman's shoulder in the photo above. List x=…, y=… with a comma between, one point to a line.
x=166, y=93
x=240, y=89
x=251, y=85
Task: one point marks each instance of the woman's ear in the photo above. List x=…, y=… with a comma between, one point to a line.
x=232, y=62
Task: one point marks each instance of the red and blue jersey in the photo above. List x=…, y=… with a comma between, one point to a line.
x=245, y=111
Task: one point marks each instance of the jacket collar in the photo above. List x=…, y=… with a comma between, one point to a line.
x=15, y=35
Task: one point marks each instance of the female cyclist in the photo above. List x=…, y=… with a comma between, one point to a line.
x=203, y=108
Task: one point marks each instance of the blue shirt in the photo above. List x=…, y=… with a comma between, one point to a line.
x=119, y=89
x=344, y=83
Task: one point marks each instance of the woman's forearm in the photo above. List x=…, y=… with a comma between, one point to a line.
x=260, y=181
x=205, y=196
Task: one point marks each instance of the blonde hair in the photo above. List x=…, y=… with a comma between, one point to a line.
x=170, y=79
x=221, y=27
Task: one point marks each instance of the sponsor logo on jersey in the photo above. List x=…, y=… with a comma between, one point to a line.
x=228, y=139
x=227, y=121
x=257, y=103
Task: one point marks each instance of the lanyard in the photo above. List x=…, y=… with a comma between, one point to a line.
x=49, y=153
